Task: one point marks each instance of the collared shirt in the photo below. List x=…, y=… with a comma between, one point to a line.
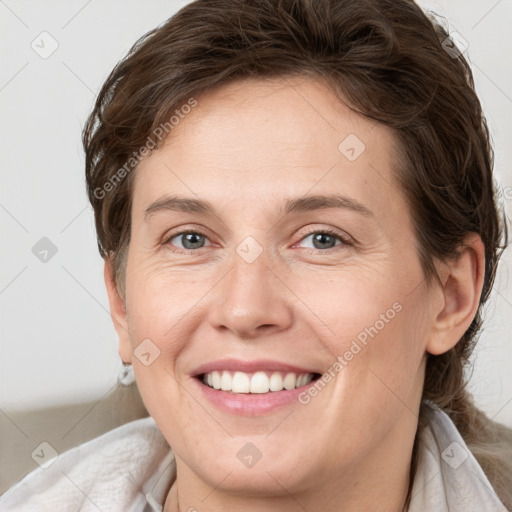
x=132, y=468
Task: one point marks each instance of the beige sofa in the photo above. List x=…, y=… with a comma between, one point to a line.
x=62, y=427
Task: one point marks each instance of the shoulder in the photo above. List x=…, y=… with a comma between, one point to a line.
x=448, y=476
x=107, y=471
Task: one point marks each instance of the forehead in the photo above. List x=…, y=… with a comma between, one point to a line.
x=253, y=140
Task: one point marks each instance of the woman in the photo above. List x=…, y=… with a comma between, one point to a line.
x=295, y=205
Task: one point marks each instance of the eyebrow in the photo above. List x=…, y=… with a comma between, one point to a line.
x=295, y=205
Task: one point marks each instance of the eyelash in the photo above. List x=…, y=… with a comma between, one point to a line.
x=344, y=240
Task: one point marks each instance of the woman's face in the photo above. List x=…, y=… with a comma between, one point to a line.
x=306, y=263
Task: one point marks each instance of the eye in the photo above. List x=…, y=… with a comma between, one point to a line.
x=326, y=239
x=190, y=240
x=195, y=240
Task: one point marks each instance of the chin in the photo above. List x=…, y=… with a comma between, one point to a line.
x=253, y=465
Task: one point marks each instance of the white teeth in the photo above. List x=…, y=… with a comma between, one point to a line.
x=258, y=382
x=276, y=382
x=216, y=380
x=290, y=381
x=225, y=381
x=240, y=383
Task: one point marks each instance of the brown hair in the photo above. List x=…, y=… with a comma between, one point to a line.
x=389, y=61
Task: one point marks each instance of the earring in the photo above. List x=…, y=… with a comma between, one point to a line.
x=126, y=376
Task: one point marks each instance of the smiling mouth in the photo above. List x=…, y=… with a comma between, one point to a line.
x=259, y=382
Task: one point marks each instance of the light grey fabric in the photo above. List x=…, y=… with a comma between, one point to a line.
x=131, y=469
x=449, y=477
x=108, y=473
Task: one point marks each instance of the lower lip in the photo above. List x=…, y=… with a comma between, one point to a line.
x=250, y=404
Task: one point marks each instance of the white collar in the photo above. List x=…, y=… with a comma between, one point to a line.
x=157, y=487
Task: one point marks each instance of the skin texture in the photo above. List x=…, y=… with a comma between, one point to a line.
x=246, y=148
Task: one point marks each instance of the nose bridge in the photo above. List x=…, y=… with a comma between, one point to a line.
x=251, y=296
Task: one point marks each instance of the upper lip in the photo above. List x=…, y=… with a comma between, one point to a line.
x=249, y=366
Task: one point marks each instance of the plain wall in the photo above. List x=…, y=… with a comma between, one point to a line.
x=58, y=344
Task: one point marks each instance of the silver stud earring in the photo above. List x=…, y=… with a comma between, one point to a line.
x=126, y=376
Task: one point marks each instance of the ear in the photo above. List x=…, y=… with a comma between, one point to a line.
x=462, y=279
x=117, y=312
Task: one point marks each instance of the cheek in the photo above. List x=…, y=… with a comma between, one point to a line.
x=377, y=334
x=159, y=303
x=156, y=337
x=378, y=379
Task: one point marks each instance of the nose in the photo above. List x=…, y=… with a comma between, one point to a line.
x=251, y=300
